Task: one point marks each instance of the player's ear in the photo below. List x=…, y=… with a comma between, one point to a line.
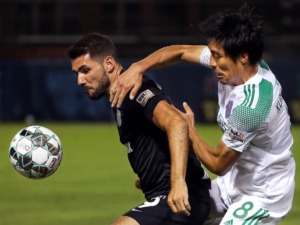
x=243, y=58
x=109, y=64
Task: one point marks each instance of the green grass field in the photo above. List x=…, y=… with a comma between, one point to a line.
x=94, y=184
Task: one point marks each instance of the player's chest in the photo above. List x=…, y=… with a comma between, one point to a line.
x=229, y=99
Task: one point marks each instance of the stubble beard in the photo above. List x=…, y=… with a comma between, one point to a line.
x=102, y=89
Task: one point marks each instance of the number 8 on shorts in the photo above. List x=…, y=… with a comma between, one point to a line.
x=244, y=213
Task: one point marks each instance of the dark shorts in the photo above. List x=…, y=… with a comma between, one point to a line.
x=157, y=211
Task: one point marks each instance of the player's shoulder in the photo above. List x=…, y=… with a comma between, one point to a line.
x=149, y=90
x=265, y=71
x=254, y=107
x=263, y=64
x=148, y=82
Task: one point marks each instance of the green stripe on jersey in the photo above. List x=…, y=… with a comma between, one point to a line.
x=263, y=64
x=245, y=118
x=249, y=91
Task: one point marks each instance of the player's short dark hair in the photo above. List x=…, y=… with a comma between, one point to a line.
x=95, y=44
x=238, y=31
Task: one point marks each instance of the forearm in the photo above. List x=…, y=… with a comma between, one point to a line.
x=170, y=55
x=210, y=157
x=178, y=198
x=168, y=119
x=131, y=79
x=160, y=58
x=219, y=160
x=179, y=147
x=176, y=128
x=203, y=151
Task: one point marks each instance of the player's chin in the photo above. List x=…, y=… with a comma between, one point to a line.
x=92, y=97
x=223, y=81
x=95, y=96
x=88, y=92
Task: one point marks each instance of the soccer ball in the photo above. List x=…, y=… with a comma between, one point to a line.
x=35, y=152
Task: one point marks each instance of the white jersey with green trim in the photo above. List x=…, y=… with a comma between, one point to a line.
x=255, y=121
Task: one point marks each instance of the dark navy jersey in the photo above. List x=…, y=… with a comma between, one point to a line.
x=147, y=145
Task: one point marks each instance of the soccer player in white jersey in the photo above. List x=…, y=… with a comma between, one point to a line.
x=254, y=155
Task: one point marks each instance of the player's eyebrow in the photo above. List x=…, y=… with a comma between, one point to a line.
x=79, y=69
x=215, y=52
x=82, y=67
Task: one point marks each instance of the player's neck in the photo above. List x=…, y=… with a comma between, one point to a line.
x=116, y=73
x=249, y=72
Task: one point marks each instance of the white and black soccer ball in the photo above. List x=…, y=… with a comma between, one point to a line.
x=35, y=152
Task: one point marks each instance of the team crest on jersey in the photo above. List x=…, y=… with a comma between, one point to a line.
x=235, y=135
x=228, y=109
x=144, y=97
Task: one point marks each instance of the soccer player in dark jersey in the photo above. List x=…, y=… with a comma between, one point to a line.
x=175, y=186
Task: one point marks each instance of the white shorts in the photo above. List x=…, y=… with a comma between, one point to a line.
x=247, y=211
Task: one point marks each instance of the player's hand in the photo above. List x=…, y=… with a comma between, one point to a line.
x=178, y=198
x=130, y=80
x=189, y=115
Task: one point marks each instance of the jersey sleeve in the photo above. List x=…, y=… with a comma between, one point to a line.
x=248, y=118
x=205, y=57
x=237, y=139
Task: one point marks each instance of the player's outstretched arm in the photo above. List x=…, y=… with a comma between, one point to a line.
x=131, y=79
x=219, y=160
x=170, y=121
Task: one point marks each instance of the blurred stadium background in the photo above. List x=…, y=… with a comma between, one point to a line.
x=35, y=75
x=37, y=85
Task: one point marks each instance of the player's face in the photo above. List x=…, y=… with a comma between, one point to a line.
x=91, y=76
x=227, y=71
